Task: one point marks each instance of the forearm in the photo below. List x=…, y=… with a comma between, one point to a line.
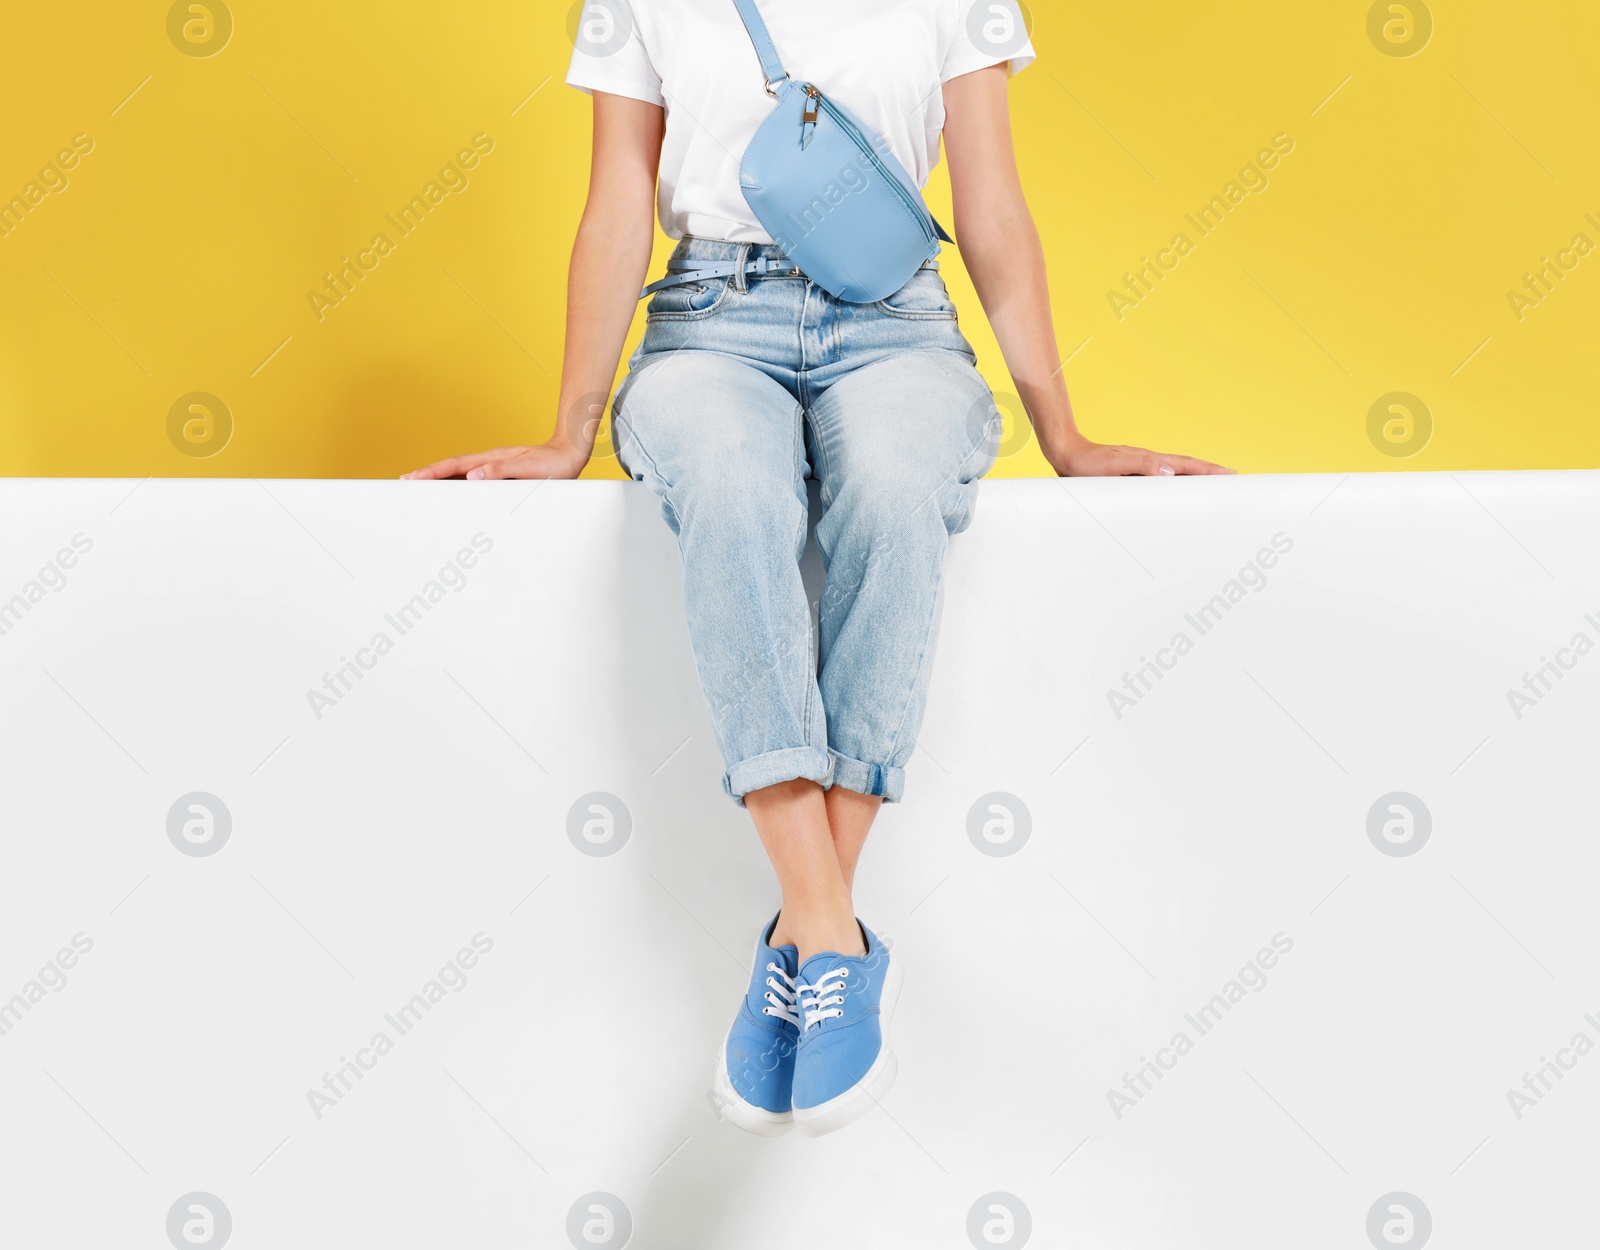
x=610, y=258
x=1006, y=260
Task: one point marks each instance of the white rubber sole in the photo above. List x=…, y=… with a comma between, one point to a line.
x=865, y=1094
x=736, y=1111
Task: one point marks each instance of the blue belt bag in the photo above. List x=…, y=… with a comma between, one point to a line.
x=828, y=190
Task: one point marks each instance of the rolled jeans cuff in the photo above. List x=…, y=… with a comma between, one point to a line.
x=788, y=764
x=874, y=779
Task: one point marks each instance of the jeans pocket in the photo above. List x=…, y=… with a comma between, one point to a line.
x=923, y=298
x=688, y=301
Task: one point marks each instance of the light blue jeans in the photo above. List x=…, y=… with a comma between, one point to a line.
x=741, y=389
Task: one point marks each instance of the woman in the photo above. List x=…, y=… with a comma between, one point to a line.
x=750, y=378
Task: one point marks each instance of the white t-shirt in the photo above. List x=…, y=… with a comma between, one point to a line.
x=884, y=60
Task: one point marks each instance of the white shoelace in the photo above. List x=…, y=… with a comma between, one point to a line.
x=781, y=996
x=826, y=997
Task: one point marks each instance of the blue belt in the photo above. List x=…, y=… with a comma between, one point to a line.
x=681, y=271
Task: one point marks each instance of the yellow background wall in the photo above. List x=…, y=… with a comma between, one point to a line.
x=178, y=255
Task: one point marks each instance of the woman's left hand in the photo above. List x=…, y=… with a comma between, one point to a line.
x=1081, y=458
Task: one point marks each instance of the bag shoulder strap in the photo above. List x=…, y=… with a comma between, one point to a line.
x=771, y=66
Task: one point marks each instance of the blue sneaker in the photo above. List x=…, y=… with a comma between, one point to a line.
x=843, y=1065
x=755, y=1071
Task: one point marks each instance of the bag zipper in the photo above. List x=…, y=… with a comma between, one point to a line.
x=808, y=122
x=814, y=98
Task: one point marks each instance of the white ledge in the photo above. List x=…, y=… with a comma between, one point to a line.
x=1189, y=804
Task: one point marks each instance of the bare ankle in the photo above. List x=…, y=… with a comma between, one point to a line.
x=814, y=931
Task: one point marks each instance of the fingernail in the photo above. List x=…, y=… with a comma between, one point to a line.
x=1167, y=470
x=475, y=476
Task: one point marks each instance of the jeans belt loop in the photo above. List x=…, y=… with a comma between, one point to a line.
x=740, y=259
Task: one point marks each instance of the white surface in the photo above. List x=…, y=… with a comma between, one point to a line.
x=1228, y=806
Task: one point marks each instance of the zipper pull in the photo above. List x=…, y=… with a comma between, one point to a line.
x=808, y=122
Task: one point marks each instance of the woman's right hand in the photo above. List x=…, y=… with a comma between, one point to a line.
x=544, y=460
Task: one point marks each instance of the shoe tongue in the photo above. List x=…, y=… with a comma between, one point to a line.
x=817, y=965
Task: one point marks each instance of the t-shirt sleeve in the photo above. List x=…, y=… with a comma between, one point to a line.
x=610, y=54
x=988, y=32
